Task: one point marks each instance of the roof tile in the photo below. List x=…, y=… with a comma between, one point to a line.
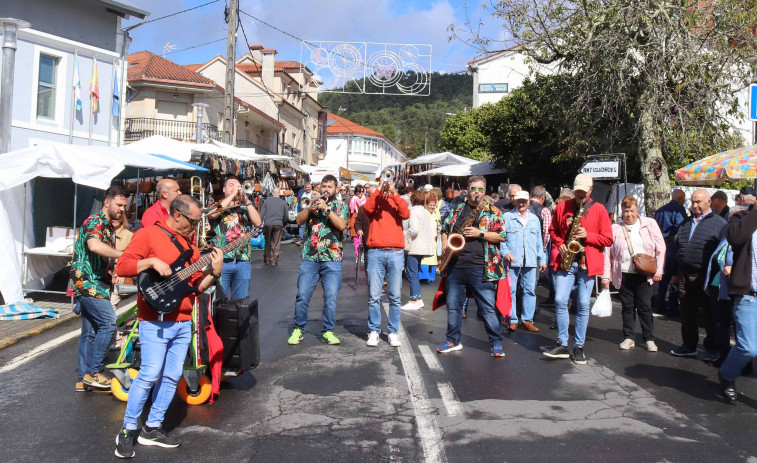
x=145, y=65
x=342, y=125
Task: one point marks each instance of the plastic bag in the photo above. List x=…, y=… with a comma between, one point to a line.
x=603, y=305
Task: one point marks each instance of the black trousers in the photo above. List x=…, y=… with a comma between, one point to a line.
x=722, y=315
x=693, y=302
x=636, y=297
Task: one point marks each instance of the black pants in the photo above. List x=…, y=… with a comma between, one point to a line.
x=636, y=296
x=722, y=315
x=693, y=302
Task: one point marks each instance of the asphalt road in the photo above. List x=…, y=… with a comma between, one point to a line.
x=352, y=403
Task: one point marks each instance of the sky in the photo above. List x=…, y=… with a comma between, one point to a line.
x=380, y=21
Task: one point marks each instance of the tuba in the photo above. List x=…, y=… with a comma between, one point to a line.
x=574, y=245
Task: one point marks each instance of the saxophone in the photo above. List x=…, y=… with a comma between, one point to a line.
x=574, y=245
x=456, y=241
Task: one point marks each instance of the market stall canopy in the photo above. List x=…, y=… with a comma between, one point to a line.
x=94, y=166
x=163, y=145
x=733, y=165
x=445, y=158
x=231, y=152
x=464, y=170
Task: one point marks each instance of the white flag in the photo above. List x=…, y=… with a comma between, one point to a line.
x=77, y=84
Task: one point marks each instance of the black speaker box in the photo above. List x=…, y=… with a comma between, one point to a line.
x=236, y=323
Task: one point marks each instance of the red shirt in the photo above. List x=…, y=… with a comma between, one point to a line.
x=155, y=213
x=598, y=228
x=153, y=242
x=386, y=214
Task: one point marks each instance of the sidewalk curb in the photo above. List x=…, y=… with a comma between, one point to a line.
x=13, y=339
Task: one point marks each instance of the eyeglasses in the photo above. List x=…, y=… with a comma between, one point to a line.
x=192, y=222
x=480, y=189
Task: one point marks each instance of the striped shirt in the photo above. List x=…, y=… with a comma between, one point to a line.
x=546, y=216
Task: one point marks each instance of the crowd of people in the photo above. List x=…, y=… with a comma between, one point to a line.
x=491, y=249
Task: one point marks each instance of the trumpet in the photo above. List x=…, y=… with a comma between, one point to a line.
x=306, y=202
x=248, y=188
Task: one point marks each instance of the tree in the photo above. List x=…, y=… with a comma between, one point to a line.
x=672, y=65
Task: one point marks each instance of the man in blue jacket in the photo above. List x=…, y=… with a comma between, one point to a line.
x=669, y=217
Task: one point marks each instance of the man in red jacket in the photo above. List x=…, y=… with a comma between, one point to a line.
x=164, y=342
x=386, y=258
x=594, y=234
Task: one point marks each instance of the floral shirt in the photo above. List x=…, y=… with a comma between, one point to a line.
x=228, y=227
x=91, y=274
x=489, y=220
x=325, y=241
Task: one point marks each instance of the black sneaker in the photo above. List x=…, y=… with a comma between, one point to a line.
x=578, y=355
x=125, y=443
x=557, y=351
x=157, y=437
x=684, y=352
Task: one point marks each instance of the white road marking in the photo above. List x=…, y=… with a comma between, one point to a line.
x=428, y=431
x=450, y=399
x=430, y=358
x=48, y=346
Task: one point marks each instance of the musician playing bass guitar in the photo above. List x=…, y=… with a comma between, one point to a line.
x=477, y=267
x=164, y=343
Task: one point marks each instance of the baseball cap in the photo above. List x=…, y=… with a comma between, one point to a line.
x=583, y=182
x=719, y=195
x=521, y=195
x=427, y=187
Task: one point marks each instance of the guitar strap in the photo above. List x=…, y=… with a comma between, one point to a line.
x=173, y=239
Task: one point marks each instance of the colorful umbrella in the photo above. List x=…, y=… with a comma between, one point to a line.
x=733, y=165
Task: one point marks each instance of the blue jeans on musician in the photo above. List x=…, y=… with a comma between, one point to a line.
x=528, y=277
x=98, y=323
x=235, y=279
x=301, y=233
x=563, y=286
x=413, y=266
x=457, y=284
x=745, y=321
x=330, y=274
x=385, y=263
x=164, y=348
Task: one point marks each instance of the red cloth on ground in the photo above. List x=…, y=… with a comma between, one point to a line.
x=215, y=356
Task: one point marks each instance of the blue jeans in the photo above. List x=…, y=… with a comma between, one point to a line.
x=563, y=286
x=413, y=266
x=164, y=349
x=330, y=274
x=745, y=321
x=235, y=279
x=98, y=323
x=528, y=276
x=301, y=233
x=456, y=286
x=384, y=263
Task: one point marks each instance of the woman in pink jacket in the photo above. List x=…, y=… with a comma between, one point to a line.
x=635, y=288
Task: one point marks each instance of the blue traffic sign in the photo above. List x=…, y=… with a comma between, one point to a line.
x=753, y=102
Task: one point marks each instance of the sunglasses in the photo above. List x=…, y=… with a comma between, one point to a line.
x=192, y=222
x=480, y=189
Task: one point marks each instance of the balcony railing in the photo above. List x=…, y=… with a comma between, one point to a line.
x=248, y=144
x=294, y=153
x=138, y=128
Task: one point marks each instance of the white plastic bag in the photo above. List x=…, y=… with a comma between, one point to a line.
x=603, y=305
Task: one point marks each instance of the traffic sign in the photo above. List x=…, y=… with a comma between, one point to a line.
x=753, y=102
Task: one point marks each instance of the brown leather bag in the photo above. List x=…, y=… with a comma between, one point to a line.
x=642, y=263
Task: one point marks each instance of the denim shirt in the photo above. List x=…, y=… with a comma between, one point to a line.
x=524, y=243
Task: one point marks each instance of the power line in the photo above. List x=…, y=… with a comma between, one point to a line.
x=265, y=87
x=277, y=29
x=180, y=12
x=195, y=46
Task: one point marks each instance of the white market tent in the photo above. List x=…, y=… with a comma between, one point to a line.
x=442, y=159
x=93, y=166
x=464, y=170
x=158, y=144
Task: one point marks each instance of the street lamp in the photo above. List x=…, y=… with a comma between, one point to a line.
x=10, y=30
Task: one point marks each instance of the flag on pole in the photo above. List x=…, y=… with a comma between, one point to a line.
x=77, y=84
x=115, y=91
x=94, y=89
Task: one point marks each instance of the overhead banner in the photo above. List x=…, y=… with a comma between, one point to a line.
x=602, y=169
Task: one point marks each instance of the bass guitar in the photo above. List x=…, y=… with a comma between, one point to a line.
x=163, y=294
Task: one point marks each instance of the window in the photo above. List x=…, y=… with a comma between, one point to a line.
x=48, y=69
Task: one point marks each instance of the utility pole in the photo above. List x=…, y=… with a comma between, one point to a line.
x=228, y=99
x=198, y=131
x=10, y=29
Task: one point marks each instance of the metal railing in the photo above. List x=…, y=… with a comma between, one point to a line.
x=294, y=153
x=248, y=144
x=138, y=128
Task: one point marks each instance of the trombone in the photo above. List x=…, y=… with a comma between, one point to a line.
x=197, y=191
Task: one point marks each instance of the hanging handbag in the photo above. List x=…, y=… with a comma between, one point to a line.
x=642, y=263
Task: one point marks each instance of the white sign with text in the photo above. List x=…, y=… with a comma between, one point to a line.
x=602, y=169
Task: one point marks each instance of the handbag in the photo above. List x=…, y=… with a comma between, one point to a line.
x=642, y=263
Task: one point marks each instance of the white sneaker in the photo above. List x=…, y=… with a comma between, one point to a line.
x=413, y=305
x=651, y=346
x=373, y=338
x=627, y=344
x=394, y=340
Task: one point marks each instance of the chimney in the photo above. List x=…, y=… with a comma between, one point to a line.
x=267, y=69
x=255, y=52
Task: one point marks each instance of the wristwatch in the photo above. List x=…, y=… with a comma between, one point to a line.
x=217, y=277
x=327, y=211
x=481, y=235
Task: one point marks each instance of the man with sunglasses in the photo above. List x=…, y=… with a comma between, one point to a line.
x=165, y=341
x=237, y=216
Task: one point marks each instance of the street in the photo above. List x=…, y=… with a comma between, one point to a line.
x=352, y=403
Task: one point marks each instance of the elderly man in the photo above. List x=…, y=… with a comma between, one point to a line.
x=697, y=239
x=275, y=214
x=505, y=204
x=720, y=204
x=670, y=217
x=167, y=190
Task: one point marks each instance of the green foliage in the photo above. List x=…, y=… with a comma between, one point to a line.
x=410, y=122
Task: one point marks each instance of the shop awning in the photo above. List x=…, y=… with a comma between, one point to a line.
x=464, y=170
x=445, y=158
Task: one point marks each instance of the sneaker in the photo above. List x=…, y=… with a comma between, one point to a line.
x=373, y=338
x=394, y=340
x=684, y=352
x=449, y=347
x=497, y=351
x=711, y=357
x=158, y=437
x=96, y=380
x=80, y=387
x=329, y=338
x=125, y=443
x=627, y=344
x=558, y=351
x=296, y=337
x=651, y=346
x=413, y=305
x=578, y=355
